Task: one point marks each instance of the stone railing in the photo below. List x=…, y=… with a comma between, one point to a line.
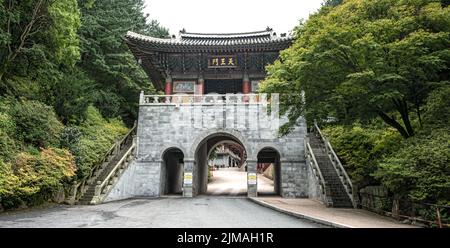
x=323, y=189
x=343, y=176
x=79, y=188
x=104, y=187
x=208, y=99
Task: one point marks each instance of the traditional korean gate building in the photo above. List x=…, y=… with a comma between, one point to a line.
x=210, y=84
x=208, y=63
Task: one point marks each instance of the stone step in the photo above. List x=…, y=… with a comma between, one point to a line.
x=332, y=179
x=113, y=160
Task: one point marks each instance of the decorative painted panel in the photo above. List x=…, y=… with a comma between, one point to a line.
x=183, y=86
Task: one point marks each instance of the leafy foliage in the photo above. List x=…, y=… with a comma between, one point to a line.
x=360, y=62
x=35, y=123
x=364, y=59
x=57, y=60
x=332, y=3
x=29, y=175
x=71, y=96
x=33, y=179
x=8, y=146
x=361, y=147
x=437, y=108
x=106, y=58
x=35, y=36
x=420, y=169
x=98, y=135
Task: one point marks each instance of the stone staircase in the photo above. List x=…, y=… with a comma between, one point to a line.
x=94, y=187
x=337, y=190
x=335, y=186
x=113, y=160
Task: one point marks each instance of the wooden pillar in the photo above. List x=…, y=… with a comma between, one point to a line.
x=246, y=87
x=200, y=86
x=168, y=86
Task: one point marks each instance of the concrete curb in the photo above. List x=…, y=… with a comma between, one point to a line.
x=300, y=216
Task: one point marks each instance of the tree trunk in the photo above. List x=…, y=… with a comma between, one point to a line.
x=402, y=108
x=393, y=123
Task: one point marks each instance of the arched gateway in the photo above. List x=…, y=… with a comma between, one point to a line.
x=211, y=96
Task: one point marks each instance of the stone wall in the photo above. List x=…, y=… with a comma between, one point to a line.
x=187, y=126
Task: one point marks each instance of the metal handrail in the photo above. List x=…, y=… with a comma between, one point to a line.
x=347, y=178
x=316, y=171
x=338, y=165
x=118, y=145
x=100, y=193
x=113, y=171
x=316, y=165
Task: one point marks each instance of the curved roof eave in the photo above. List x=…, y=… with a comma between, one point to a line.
x=180, y=45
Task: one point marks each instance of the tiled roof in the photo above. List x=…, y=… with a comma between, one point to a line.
x=200, y=41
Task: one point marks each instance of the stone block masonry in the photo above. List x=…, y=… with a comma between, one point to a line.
x=165, y=124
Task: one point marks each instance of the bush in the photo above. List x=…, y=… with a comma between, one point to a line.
x=32, y=180
x=108, y=103
x=8, y=184
x=8, y=146
x=98, y=135
x=36, y=123
x=361, y=147
x=420, y=170
x=71, y=97
x=437, y=109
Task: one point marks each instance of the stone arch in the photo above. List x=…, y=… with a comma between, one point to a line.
x=172, y=171
x=275, y=160
x=262, y=146
x=200, y=149
x=227, y=132
x=168, y=147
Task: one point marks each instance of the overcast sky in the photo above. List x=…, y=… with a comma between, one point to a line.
x=226, y=16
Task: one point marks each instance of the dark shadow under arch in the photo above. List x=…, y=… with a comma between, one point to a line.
x=172, y=171
x=268, y=158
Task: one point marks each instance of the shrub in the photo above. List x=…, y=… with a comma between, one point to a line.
x=437, y=109
x=36, y=123
x=420, y=170
x=8, y=145
x=361, y=147
x=71, y=97
x=32, y=180
x=98, y=135
x=108, y=103
x=8, y=185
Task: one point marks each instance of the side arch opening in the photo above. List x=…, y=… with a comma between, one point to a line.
x=269, y=172
x=172, y=172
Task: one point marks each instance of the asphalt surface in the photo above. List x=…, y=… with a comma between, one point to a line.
x=233, y=182
x=206, y=211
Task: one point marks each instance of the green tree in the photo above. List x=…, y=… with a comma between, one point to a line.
x=36, y=123
x=331, y=3
x=36, y=34
x=420, y=169
x=107, y=59
x=365, y=59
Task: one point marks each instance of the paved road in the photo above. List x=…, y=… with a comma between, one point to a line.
x=233, y=182
x=163, y=212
